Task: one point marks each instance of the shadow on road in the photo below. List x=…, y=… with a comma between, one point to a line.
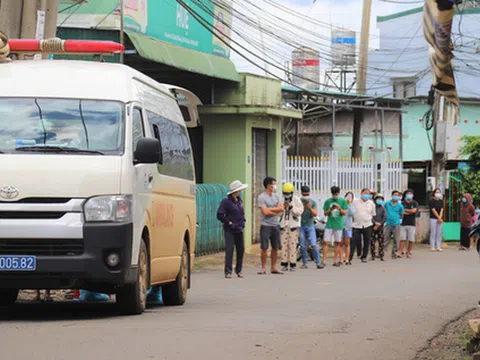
x=59, y=311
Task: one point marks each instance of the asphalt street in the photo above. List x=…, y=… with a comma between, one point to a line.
x=367, y=311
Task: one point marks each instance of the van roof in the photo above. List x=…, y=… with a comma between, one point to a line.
x=71, y=79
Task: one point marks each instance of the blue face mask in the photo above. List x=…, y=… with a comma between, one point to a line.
x=396, y=198
x=240, y=193
x=379, y=202
x=464, y=200
x=409, y=196
x=477, y=211
x=366, y=197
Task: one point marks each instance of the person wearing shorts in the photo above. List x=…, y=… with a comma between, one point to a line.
x=271, y=207
x=409, y=224
x=348, y=228
x=336, y=209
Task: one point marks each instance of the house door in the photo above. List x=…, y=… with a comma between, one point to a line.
x=260, y=169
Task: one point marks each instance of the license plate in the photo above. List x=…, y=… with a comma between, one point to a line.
x=17, y=263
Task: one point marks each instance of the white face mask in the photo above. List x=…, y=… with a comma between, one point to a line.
x=438, y=196
x=274, y=188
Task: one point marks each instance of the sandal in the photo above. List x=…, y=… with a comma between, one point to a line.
x=276, y=272
x=240, y=275
x=228, y=276
x=261, y=272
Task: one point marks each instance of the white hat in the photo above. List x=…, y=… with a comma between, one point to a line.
x=237, y=186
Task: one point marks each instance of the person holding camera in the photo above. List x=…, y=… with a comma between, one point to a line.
x=308, y=235
x=336, y=209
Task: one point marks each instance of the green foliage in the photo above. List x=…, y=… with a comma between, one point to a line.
x=471, y=149
x=471, y=181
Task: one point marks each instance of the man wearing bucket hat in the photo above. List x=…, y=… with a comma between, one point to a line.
x=290, y=221
x=232, y=216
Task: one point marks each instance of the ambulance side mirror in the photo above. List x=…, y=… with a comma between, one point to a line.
x=147, y=151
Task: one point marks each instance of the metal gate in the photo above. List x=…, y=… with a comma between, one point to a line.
x=350, y=174
x=260, y=171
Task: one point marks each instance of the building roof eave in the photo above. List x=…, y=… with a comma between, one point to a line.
x=250, y=110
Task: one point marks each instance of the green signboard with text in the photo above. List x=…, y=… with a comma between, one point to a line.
x=165, y=20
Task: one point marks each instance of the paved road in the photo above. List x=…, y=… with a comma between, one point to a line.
x=367, y=311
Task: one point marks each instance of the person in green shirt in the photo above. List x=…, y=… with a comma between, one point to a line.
x=336, y=209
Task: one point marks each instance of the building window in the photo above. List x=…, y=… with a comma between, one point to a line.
x=403, y=88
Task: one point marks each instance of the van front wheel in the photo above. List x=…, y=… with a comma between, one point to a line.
x=176, y=292
x=132, y=298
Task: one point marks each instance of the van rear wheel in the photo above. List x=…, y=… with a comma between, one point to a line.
x=132, y=298
x=8, y=297
x=175, y=294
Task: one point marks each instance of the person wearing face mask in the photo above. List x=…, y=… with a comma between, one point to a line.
x=395, y=212
x=362, y=224
x=232, y=215
x=467, y=212
x=290, y=221
x=335, y=209
x=409, y=223
x=436, y=220
x=347, y=230
x=271, y=207
x=308, y=235
x=378, y=227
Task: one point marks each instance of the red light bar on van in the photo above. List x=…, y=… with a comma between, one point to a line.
x=58, y=46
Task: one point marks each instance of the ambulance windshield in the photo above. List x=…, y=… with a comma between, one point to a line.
x=92, y=126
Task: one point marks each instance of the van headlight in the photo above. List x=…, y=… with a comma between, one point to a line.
x=117, y=208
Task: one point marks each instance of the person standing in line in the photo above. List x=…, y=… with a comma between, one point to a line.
x=308, y=235
x=436, y=221
x=335, y=209
x=362, y=224
x=232, y=215
x=475, y=220
x=378, y=227
x=290, y=221
x=395, y=212
x=409, y=223
x=347, y=228
x=467, y=212
x=270, y=206
x=362, y=242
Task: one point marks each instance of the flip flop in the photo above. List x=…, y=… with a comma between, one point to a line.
x=276, y=272
x=261, y=272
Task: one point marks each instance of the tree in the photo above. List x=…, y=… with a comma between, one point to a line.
x=471, y=180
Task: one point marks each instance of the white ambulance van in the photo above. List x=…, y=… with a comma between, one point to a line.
x=97, y=182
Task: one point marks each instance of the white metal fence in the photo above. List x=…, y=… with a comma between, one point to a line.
x=321, y=173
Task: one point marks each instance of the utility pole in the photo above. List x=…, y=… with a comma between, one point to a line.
x=439, y=149
x=362, y=78
x=28, y=19
x=11, y=17
x=364, y=43
x=122, y=29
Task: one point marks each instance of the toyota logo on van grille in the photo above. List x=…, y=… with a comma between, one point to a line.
x=9, y=192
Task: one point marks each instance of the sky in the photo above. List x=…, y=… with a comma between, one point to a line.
x=344, y=13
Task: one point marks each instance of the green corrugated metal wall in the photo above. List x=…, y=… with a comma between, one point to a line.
x=88, y=34
x=210, y=238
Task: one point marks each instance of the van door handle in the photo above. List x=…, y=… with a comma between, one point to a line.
x=150, y=178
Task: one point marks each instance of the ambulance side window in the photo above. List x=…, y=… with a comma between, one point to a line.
x=138, y=129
